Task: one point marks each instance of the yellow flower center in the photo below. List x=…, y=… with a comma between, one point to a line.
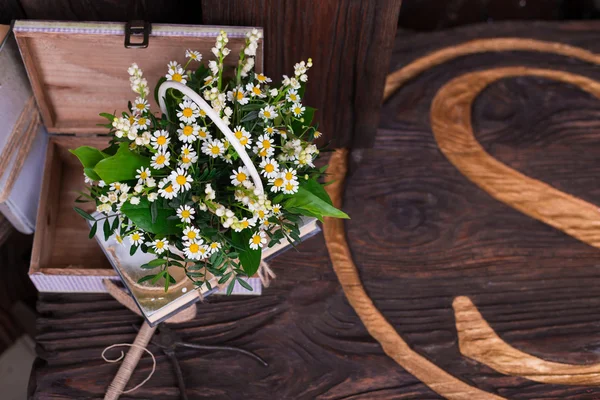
x=267, y=114
x=293, y=97
x=185, y=214
x=214, y=245
x=261, y=214
x=289, y=176
x=169, y=189
x=142, y=121
x=160, y=160
x=135, y=237
x=239, y=95
x=276, y=209
x=131, y=120
x=194, y=248
x=215, y=150
x=297, y=110
x=202, y=250
x=245, y=224
x=266, y=144
x=160, y=245
x=119, y=238
x=289, y=186
x=263, y=153
x=278, y=182
x=256, y=239
x=181, y=179
x=241, y=177
x=239, y=134
x=161, y=140
x=191, y=235
x=270, y=130
x=243, y=140
x=261, y=77
x=256, y=90
x=144, y=175
x=140, y=106
x=269, y=168
x=187, y=112
x=177, y=77
x=202, y=113
x=186, y=151
x=185, y=159
x=201, y=133
x=188, y=130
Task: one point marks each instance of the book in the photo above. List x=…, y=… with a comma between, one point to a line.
x=157, y=305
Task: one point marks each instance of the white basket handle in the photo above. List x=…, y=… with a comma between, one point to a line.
x=162, y=90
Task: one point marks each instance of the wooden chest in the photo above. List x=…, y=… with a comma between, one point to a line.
x=78, y=70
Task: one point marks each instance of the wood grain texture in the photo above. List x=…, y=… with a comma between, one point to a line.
x=452, y=128
x=478, y=341
x=350, y=43
x=394, y=346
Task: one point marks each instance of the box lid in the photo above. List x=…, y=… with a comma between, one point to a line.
x=79, y=69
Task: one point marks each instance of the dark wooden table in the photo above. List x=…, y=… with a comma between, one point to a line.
x=421, y=234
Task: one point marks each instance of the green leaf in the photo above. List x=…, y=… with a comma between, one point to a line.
x=93, y=230
x=132, y=250
x=244, y=284
x=89, y=156
x=230, y=287
x=84, y=214
x=141, y=216
x=317, y=189
x=312, y=205
x=145, y=278
x=154, y=263
x=106, y=229
x=250, y=259
x=115, y=224
x=121, y=166
x=108, y=116
x=154, y=211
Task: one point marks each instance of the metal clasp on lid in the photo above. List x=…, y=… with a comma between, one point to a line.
x=137, y=28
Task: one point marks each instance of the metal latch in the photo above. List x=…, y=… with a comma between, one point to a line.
x=137, y=29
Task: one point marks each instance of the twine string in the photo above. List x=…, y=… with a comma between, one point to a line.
x=123, y=356
x=265, y=273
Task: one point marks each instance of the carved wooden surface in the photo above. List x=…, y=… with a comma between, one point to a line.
x=421, y=234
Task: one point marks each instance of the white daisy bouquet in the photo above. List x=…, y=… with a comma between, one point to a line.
x=225, y=171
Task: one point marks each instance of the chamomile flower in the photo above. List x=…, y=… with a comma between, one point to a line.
x=173, y=66
x=270, y=167
x=136, y=238
x=276, y=209
x=195, y=250
x=187, y=160
x=258, y=240
x=265, y=143
x=181, y=180
x=240, y=177
x=297, y=109
x=115, y=186
x=244, y=224
x=317, y=134
x=255, y=90
x=160, y=160
x=276, y=183
x=213, y=148
x=243, y=136
x=176, y=74
x=292, y=96
x=203, y=134
x=261, y=213
x=269, y=130
x=289, y=175
x=141, y=124
x=262, y=78
x=191, y=234
x=187, y=149
x=188, y=112
x=268, y=113
x=193, y=55
x=166, y=189
x=159, y=245
x=188, y=133
x=186, y=213
x=142, y=174
x=140, y=106
x=238, y=95
x=160, y=140
x=214, y=247
x=290, y=187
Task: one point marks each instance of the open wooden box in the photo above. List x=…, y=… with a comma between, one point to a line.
x=78, y=70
